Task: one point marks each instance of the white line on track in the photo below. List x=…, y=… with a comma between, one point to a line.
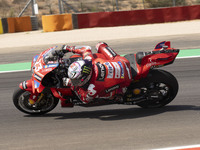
x=180, y=147
x=187, y=57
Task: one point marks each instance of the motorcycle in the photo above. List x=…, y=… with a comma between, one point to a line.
x=150, y=87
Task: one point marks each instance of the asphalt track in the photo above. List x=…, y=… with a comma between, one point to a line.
x=117, y=127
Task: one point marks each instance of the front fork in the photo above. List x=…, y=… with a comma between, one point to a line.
x=35, y=96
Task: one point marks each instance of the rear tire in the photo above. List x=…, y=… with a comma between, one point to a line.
x=165, y=90
x=21, y=102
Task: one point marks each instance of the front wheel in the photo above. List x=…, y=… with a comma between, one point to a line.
x=45, y=103
x=160, y=90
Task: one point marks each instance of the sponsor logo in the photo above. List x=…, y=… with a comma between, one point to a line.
x=117, y=70
x=112, y=88
x=122, y=69
x=38, y=66
x=151, y=64
x=101, y=72
x=47, y=70
x=91, y=91
x=50, y=66
x=112, y=52
x=110, y=70
x=37, y=77
x=36, y=84
x=86, y=70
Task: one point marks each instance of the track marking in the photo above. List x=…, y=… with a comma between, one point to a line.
x=187, y=57
x=189, y=147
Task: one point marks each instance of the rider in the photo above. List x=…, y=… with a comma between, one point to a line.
x=104, y=74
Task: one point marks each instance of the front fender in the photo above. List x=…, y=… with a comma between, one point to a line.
x=29, y=85
x=26, y=85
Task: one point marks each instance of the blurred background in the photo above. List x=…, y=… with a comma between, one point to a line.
x=37, y=8
x=12, y=8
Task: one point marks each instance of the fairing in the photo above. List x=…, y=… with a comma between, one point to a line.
x=41, y=65
x=157, y=60
x=161, y=44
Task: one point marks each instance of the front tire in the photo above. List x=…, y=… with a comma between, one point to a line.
x=21, y=101
x=162, y=88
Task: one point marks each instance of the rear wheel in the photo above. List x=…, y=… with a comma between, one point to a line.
x=22, y=101
x=160, y=90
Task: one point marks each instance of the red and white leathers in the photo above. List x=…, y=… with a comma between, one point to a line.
x=111, y=73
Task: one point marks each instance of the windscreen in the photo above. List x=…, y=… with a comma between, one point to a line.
x=49, y=58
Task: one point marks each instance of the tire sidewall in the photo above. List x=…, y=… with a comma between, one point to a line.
x=165, y=77
x=18, y=92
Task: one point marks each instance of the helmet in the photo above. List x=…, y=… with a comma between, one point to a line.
x=80, y=72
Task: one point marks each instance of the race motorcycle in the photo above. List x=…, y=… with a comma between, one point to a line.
x=150, y=87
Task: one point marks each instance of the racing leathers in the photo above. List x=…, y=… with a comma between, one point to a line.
x=111, y=74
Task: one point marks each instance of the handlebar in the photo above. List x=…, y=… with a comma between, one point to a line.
x=59, y=53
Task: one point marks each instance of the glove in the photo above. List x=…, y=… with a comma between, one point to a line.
x=67, y=48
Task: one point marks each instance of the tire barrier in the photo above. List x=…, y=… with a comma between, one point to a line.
x=62, y=22
x=75, y=21
x=57, y=22
x=19, y=24
x=1, y=27
x=34, y=23
x=5, y=25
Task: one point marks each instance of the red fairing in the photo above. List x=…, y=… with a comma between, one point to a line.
x=155, y=61
x=161, y=44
